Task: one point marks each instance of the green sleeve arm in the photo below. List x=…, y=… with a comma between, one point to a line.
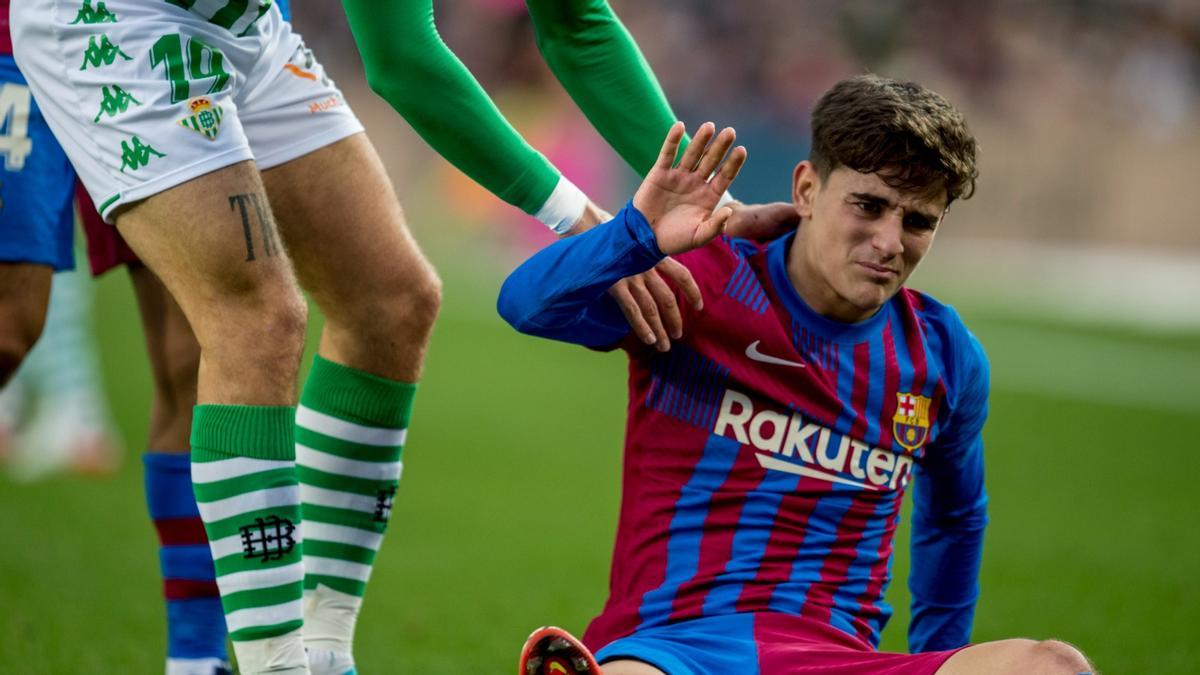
x=598, y=63
x=409, y=65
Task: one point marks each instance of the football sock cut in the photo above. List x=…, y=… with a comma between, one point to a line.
x=350, y=431
x=244, y=477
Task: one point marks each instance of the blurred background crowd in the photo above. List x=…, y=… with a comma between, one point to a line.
x=1087, y=111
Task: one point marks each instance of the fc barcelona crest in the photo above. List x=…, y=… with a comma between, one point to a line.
x=205, y=117
x=910, y=424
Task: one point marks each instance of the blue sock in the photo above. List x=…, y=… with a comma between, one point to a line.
x=195, y=620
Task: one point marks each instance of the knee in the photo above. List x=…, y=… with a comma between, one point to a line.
x=264, y=330
x=423, y=300
x=285, y=324
x=1054, y=656
x=407, y=304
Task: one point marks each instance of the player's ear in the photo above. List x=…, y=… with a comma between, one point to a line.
x=806, y=182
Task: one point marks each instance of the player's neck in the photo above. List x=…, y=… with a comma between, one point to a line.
x=814, y=290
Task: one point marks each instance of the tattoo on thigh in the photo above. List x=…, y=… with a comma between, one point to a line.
x=266, y=224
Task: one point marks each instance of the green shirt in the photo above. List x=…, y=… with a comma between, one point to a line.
x=586, y=47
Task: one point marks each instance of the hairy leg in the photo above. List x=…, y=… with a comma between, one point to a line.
x=345, y=231
x=24, y=295
x=1017, y=657
x=222, y=262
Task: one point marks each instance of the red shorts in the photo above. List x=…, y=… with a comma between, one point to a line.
x=106, y=247
x=763, y=644
x=792, y=644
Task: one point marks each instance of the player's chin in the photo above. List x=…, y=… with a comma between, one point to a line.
x=870, y=296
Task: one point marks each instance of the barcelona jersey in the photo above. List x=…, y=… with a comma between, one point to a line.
x=768, y=452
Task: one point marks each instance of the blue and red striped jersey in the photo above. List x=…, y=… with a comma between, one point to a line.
x=768, y=452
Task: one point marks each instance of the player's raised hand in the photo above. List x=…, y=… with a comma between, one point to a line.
x=678, y=199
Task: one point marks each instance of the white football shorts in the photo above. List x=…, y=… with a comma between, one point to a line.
x=144, y=95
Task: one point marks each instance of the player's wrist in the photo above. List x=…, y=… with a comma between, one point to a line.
x=563, y=208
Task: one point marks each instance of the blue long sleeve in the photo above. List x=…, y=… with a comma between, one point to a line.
x=950, y=515
x=561, y=292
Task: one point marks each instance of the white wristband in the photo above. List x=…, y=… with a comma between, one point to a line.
x=563, y=207
x=725, y=199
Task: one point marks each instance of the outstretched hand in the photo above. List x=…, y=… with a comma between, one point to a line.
x=678, y=199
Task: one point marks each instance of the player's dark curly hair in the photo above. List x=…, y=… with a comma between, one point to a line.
x=912, y=137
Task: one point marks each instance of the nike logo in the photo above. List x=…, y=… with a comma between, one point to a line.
x=755, y=355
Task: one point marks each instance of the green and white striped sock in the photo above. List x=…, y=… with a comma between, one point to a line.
x=244, y=477
x=350, y=429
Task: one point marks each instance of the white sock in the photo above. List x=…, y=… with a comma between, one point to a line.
x=329, y=618
x=282, y=655
x=211, y=666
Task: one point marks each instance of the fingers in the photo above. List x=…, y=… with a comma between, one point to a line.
x=650, y=314
x=695, y=149
x=633, y=313
x=716, y=152
x=666, y=156
x=713, y=226
x=668, y=307
x=728, y=171
x=638, y=306
x=683, y=280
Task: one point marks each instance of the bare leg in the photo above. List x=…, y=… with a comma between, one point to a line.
x=344, y=228
x=1017, y=657
x=24, y=295
x=174, y=362
x=629, y=667
x=245, y=309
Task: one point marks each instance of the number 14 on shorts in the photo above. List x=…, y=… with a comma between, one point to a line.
x=198, y=61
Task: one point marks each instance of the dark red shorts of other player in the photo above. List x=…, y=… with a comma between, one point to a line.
x=763, y=644
x=106, y=247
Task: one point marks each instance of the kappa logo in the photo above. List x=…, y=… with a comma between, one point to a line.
x=101, y=53
x=135, y=154
x=205, y=117
x=910, y=424
x=268, y=538
x=754, y=355
x=116, y=100
x=98, y=14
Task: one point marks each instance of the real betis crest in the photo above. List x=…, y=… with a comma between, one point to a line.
x=205, y=117
x=910, y=424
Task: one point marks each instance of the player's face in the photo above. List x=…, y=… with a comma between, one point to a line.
x=858, y=241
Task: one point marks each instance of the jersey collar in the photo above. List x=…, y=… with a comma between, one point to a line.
x=830, y=329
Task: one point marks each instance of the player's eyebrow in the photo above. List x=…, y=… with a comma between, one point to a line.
x=889, y=204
